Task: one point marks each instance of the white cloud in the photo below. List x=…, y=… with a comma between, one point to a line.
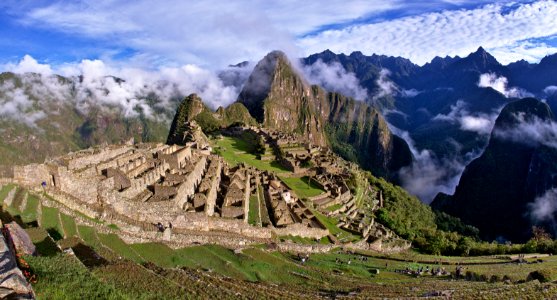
x=201, y=32
x=96, y=83
x=544, y=207
x=429, y=175
x=411, y=93
x=550, y=90
x=28, y=65
x=500, y=84
x=456, y=32
x=386, y=86
x=17, y=105
x=480, y=123
x=531, y=131
x=333, y=77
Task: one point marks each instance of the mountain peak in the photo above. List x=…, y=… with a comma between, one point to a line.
x=266, y=76
x=482, y=58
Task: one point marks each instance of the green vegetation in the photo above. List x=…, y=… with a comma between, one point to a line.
x=302, y=186
x=29, y=214
x=253, y=216
x=236, y=150
x=331, y=225
x=4, y=191
x=69, y=225
x=89, y=235
x=63, y=277
x=50, y=222
x=114, y=243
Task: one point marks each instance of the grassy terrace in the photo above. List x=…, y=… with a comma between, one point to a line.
x=302, y=186
x=331, y=225
x=236, y=150
x=253, y=216
x=232, y=275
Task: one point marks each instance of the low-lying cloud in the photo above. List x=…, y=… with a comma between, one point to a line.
x=94, y=83
x=333, y=77
x=543, y=208
x=480, y=123
x=500, y=84
x=532, y=131
x=385, y=86
x=429, y=175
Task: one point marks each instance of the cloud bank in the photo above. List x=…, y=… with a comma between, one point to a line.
x=429, y=175
x=480, y=123
x=333, y=77
x=129, y=91
x=544, y=208
x=531, y=132
x=500, y=84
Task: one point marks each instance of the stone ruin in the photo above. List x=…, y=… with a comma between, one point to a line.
x=183, y=187
x=194, y=196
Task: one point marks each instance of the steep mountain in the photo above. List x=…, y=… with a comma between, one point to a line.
x=496, y=189
x=192, y=108
x=47, y=116
x=280, y=99
x=424, y=99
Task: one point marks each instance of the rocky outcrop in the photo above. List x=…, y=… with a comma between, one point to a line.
x=280, y=99
x=13, y=284
x=192, y=110
x=496, y=190
x=21, y=240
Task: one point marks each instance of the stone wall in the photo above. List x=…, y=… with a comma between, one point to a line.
x=94, y=159
x=92, y=211
x=215, y=181
x=32, y=175
x=83, y=187
x=298, y=229
x=186, y=190
x=247, y=192
x=176, y=159
x=138, y=185
x=119, y=161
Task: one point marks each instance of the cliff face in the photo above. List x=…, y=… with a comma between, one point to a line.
x=496, y=190
x=279, y=99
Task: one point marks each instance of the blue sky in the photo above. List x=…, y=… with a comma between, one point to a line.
x=213, y=34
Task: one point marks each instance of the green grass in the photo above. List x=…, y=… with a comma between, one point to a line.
x=114, y=243
x=113, y=226
x=159, y=254
x=63, y=277
x=302, y=187
x=69, y=225
x=13, y=209
x=29, y=214
x=4, y=192
x=331, y=225
x=334, y=207
x=235, y=151
x=45, y=245
x=89, y=236
x=51, y=223
x=253, y=215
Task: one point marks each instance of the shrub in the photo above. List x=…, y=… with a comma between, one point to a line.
x=545, y=275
